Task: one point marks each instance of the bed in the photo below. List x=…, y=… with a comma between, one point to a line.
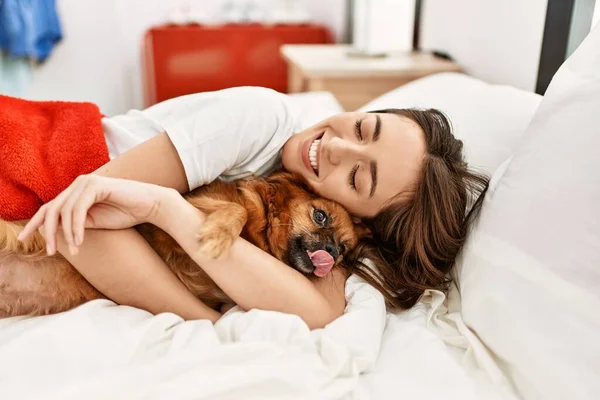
x=507, y=331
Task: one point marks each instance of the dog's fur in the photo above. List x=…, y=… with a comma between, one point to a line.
x=275, y=213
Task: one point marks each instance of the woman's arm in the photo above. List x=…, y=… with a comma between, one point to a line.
x=251, y=277
x=123, y=266
x=154, y=161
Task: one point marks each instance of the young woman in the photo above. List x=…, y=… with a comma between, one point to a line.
x=399, y=171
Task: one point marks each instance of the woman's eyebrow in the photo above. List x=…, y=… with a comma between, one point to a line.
x=377, y=131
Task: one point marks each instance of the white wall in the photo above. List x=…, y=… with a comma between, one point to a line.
x=497, y=41
x=596, y=17
x=99, y=57
x=87, y=65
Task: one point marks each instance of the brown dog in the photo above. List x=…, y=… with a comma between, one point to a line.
x=278, y=214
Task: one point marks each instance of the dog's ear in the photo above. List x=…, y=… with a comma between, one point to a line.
x=274, y=196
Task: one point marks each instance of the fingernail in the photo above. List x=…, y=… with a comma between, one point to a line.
x=73, y=250
x=20, y=237
x=49, y=250
x=78, y=239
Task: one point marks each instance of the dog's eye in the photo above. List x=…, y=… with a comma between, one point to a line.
x=342, y=248
x=320, y=217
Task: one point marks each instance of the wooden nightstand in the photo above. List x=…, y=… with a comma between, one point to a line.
x=355, y=81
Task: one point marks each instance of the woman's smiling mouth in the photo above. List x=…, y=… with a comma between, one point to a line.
x=310, y=154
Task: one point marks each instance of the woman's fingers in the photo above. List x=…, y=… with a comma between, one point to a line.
x=121, y=204
x=80, y=212
x=34, y=223
x=70, y=208
x=51, y=221
x=47, y=218
x=66, y=216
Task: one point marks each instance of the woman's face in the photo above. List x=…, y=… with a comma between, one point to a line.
x=360, y=160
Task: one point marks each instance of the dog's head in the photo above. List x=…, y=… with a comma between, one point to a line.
x=309, y=233
x=320, y=235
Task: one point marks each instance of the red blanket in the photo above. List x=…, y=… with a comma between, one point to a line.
x=44, y=146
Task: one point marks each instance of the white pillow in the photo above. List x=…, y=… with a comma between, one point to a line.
x=530, y=271
x=490, y=119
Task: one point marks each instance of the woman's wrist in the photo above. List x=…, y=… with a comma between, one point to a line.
x=174, y=213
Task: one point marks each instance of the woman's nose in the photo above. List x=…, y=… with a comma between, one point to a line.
x=342, y=150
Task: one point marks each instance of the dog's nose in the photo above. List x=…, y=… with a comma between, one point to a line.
x=332, y=249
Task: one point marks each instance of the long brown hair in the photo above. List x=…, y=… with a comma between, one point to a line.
x=415, y=239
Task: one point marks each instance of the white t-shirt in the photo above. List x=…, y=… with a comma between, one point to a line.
x=227, y=134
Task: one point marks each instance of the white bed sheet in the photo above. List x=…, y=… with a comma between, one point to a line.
x=104, y=351
x=423, y=353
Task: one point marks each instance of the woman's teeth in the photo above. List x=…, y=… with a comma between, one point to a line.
x=312, y=155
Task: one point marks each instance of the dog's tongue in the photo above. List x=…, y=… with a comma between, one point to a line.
x=323, y=262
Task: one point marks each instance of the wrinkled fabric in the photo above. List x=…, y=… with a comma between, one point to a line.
x=103, y=351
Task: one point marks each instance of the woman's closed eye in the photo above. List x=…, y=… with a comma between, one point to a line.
x=352, y=178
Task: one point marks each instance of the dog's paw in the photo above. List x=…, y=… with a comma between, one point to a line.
x=215, y=240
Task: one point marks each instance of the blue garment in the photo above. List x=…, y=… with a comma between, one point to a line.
x=29, y=28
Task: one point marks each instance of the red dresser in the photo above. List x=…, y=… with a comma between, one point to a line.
x=180, y=60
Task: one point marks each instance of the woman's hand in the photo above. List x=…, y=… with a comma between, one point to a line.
x=93, y=201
